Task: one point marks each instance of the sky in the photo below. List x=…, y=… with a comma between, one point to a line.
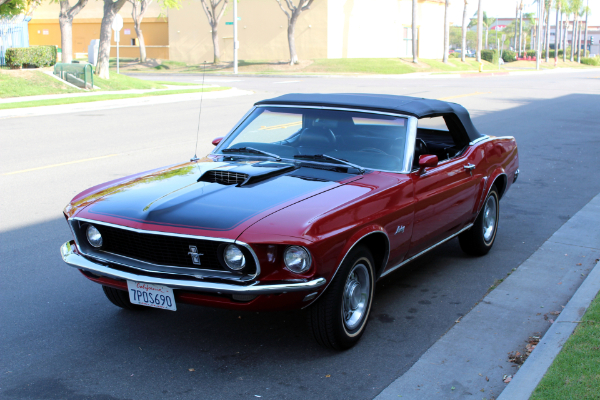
x=506, y=9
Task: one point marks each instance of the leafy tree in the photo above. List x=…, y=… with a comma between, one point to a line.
x=111, y=9
x=65, y=21
x=11, y=8
x=138, y=10
x=293, y=13
x=214, y=16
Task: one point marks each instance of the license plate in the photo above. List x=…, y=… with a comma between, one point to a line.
x=156, y=296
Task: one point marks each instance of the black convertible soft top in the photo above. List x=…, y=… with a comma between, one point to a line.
x=414, y=106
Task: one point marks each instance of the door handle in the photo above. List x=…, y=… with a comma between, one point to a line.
x=470, y=168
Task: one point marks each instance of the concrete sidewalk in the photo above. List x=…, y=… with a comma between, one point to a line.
x=471, y=359
x=108, y=104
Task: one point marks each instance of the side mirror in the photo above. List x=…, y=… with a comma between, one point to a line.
x=427, y=161
x=217, y=141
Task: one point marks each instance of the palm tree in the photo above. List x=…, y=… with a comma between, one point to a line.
x=575, y=7
x=547, y=40
x=587, y=12
x=464, y=33
x=446, y=32
x=414, y=31
x=479, y=24
x=487, y=22
x=521, y=26
x=556, y=34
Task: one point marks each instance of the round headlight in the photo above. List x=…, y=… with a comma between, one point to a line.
x=234, y=258
x=94, y=236
x=296, y=259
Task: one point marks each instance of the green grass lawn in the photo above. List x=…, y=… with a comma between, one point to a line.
x=575, y=373
x=361, y=65
x=30, y=83
x=87, y=99
x=178, y=83
x=124, y=82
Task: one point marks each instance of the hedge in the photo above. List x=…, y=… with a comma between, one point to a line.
x=591, y=61
x=35, y=56
x=490, y=56
x=509, y=56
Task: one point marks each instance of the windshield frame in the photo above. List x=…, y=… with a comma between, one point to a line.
x=409, y=146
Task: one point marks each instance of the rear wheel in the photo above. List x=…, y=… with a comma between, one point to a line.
x=338, y=319
x=120, y=298
x=479, y=240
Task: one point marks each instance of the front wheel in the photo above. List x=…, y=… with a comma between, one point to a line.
x=479, y=240
x=338, y=319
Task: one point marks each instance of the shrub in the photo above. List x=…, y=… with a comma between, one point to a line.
x=490, y=56
x=509, y=56
x=454, y=55
x=35, y=56
x=591, y=61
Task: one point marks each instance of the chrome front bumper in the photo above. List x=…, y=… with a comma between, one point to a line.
x=80, y=262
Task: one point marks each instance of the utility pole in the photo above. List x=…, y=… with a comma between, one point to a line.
x=235, y=41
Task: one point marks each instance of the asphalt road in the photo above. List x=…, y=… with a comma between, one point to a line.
x=61, y=339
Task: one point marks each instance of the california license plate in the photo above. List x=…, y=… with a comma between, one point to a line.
x=156, y=296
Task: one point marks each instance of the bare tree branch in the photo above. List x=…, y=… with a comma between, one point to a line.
x=307, y=6
x=207, y=12
x=283, y=9
x=222, y=10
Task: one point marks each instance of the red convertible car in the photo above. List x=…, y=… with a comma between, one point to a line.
x=306, y=203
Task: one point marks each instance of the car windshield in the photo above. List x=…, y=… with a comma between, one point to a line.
x=372, y=141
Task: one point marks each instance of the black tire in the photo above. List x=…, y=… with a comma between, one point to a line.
x=329, y=325
x=478, y=240
x=120, y=298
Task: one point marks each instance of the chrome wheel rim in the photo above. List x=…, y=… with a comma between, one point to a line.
x=357, y=292
x=489, y=218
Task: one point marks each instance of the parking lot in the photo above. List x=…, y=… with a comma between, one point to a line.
x=61, y=338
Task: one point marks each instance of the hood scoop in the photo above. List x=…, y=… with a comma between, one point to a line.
x=245, y=174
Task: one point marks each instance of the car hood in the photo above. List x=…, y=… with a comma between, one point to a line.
x=199, y=198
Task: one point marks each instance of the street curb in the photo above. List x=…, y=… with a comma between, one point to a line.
x=471, y=358
x=533, y=370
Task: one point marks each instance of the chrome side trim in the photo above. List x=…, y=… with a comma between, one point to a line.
x=426, y=250
x=80, y=262
x=385, y=260
x=90, y=221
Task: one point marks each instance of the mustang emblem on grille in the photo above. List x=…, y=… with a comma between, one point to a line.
x=195, y=255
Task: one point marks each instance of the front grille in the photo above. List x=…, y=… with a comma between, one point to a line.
x=224, y=177
x=159, y=249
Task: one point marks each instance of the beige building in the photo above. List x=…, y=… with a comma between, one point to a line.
x=330, y=29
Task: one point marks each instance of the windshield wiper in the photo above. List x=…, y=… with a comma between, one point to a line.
x=319, y=157
x=251, y=150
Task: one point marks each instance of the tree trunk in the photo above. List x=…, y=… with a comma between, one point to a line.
x=585, y=38
x=111, y=8
x=521, y=30
x=573, y=39
x=548, y=33
x=516, y=27
x=564, y=38
x=216, y=48
x=556, y=35
x=291, y=39
x=66, y=35
x=414, y=31
x=142, y=44
x=446, y=32
x=464, y=33
x=579, y=42
x=558, y=32
x=479, y=30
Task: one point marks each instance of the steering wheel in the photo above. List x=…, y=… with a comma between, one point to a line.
x=373, y=150
x=421, y=147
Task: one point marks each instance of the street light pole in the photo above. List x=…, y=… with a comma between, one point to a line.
x=235, y=41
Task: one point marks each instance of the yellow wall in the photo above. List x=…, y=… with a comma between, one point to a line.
x=262, y=32
x=86, y=26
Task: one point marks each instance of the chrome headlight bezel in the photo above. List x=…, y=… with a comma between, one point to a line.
x=294, y=253
x=94, y=237
x=231, y=251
